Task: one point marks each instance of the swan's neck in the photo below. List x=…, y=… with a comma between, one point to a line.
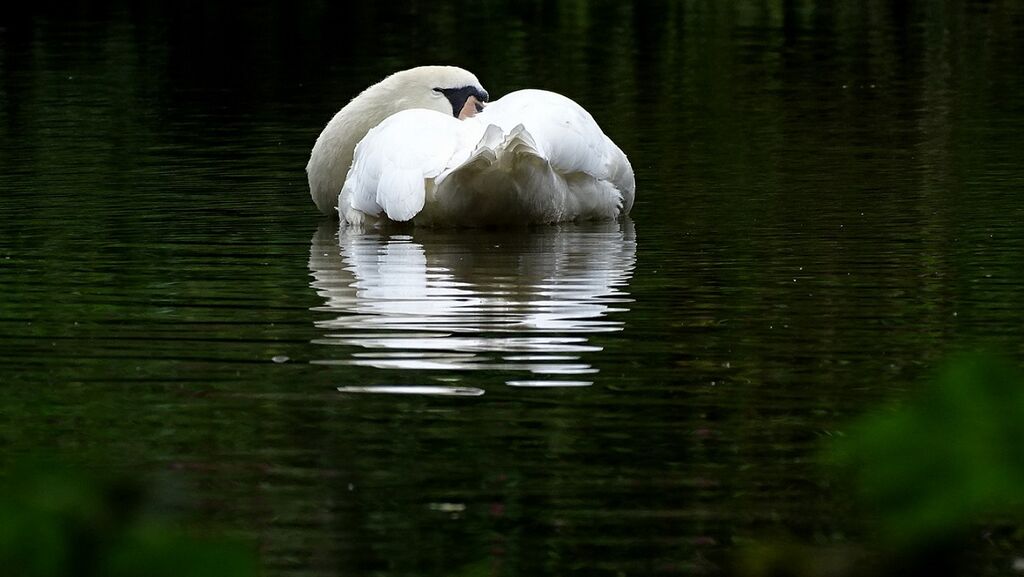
x=332, y=153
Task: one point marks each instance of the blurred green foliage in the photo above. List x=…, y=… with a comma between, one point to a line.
x=55, y=522
x=933, y=467
x=925, y=474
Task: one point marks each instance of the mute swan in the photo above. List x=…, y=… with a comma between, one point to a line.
x=421, y=146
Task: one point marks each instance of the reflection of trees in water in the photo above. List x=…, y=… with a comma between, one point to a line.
x=463, y=300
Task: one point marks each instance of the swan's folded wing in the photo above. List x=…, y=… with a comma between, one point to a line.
x=396, y=162
x=565, y=134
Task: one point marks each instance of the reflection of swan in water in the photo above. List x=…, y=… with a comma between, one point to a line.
x=439, y=300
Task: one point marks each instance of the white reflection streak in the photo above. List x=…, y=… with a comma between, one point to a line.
x=472, y=300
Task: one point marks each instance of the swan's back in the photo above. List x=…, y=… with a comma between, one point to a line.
x=566, y=134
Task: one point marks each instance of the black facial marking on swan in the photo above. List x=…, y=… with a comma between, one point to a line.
x=458, y=97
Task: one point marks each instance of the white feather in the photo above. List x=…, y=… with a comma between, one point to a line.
x=399, y=160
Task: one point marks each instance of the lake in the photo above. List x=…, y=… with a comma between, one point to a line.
x=828, y=206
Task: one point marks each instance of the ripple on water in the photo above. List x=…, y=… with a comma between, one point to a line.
x=548, y=384
x=414, y=390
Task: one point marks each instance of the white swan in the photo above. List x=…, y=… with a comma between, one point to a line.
x=423, y=155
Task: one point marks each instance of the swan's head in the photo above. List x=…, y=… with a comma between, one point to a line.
x=447, y=89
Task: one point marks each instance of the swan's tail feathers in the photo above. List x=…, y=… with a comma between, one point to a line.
x=509, y=177
x=495, y=147
x=491, y=139
x=520, y=143
x=505, y=180
x=484, y=154
x=401, y=193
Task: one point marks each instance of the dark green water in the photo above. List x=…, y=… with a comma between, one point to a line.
x=828, y=205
